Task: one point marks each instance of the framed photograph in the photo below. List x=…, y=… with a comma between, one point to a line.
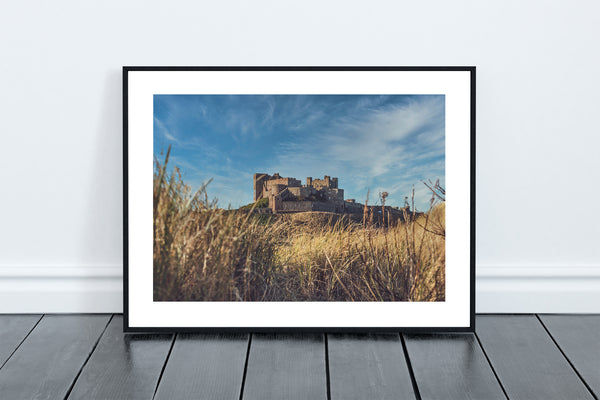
x=299, y=198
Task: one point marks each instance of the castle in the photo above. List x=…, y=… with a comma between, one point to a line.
x=288, y=195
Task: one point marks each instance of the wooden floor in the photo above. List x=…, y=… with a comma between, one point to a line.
x=510, y=356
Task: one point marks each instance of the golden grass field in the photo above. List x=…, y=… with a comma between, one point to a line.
x=204, y=253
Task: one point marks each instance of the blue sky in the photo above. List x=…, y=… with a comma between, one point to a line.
x=381, y=143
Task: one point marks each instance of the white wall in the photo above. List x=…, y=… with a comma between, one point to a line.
x=538, y=99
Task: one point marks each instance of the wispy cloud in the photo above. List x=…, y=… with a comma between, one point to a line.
x=380, y=142
x=162, y=130
x=394, y=146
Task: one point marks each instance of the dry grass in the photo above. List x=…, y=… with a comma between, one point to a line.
x=204, y=253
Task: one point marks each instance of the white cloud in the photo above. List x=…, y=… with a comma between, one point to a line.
x=387, y=140
x=163, y=131
x=381, y=141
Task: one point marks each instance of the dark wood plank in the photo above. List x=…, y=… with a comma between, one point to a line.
x=123, y=366
x=13, y=329
x=451, y=366
x=46, y=364
x=204, y=367
x=286, y=366
x=579, y=338
x=526, y=360
x=368, y=366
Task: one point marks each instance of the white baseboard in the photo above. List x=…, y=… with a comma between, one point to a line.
x=99, y=289
x=51, y=289
x=538, y=289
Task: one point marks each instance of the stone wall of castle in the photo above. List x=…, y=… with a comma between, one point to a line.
x=326, y=183
x=334, y=194
x=303, y=192
x=291, y=182
x=353, y=207
x=297, y=206
x=306, y=206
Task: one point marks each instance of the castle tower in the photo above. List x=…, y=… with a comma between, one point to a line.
x=309, y=181
x=259, y=184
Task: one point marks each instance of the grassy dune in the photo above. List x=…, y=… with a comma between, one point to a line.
x=203, y=253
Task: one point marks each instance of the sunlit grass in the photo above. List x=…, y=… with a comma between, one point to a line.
x=203, y=253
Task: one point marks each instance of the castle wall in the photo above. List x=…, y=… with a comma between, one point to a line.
x=284, y=181
x=275, y=204
x=302, y=192
x=306, y=206
x=297, y=206
x=353, y=208
x=328, y=207
x=334, y=194
x=278, y=204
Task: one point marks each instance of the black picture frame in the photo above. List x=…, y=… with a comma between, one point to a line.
x=128, y=145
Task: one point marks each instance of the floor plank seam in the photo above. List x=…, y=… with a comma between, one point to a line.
x=491, y=366
x=566, y=358
x=21, y=342
x=246, y=366
x=327, y=374
x=87, y=358
x=411, y=372
x=162, y=371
